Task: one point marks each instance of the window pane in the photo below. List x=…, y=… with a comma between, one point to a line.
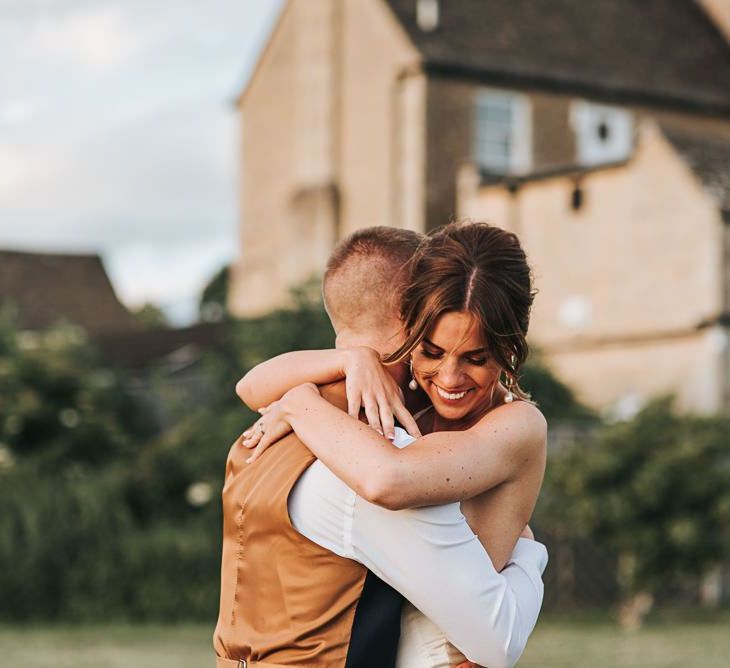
x=497, y=114
x=495, y=120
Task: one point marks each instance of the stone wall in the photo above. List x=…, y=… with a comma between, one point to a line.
x=626, y=279
x=332, y=125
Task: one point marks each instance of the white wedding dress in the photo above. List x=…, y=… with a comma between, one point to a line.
x=422, y=644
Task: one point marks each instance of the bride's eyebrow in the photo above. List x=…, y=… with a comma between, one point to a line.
x=476, y=351
x=431, y=344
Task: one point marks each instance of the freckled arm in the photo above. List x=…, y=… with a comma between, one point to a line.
x=442, y=467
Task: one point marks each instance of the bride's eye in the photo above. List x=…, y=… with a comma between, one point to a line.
x=477, y=361
x=430, y=355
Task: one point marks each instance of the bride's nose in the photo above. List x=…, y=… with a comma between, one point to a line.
x=450, y=373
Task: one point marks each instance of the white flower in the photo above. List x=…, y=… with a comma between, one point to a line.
x=6, y=457
x=198, y=494
x=69, y=418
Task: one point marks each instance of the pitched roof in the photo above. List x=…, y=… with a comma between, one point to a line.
x=709, y=158
x=644, y=50
x=47, y=287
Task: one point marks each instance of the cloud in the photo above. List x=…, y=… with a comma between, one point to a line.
x=151, y=181
x=98, y=40
x=168, y=278
x=117, y=134
x=17, y=111
x=19, y=170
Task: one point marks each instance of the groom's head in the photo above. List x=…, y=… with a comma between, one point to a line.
x=363, y=283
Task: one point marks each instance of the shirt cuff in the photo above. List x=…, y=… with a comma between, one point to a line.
x=530, y=550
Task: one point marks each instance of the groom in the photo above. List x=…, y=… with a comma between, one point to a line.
x=312, y=575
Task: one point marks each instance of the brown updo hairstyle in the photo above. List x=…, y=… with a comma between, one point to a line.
x=477, y=268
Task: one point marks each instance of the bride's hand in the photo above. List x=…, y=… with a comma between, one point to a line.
x=368, y=384
x=270, y=427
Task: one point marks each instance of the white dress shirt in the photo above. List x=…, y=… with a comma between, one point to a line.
x=432, y=557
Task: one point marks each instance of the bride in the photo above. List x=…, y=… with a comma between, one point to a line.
x=465, y=313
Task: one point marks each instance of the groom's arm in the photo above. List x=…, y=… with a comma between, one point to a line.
x=433, y=558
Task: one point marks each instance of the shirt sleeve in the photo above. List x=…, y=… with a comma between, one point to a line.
x=433, y=558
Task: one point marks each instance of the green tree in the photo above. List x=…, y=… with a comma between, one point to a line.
x=102, y=514
x=213, y=303
x=60, y=404
x=193, y=451
x=151, y=316
x=655, y=491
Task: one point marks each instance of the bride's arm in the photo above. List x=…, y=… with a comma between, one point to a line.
x=368, y=383
x=442, y=467
x=270, y=380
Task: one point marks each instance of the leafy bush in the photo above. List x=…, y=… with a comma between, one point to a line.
x=655, y=491
x=61, y=405
x=103, y=516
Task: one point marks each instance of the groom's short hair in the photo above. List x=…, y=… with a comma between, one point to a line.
x=365, y=277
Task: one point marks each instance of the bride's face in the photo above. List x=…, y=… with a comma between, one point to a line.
x=454, y=368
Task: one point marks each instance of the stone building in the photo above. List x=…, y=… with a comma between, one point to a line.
x=599, y=131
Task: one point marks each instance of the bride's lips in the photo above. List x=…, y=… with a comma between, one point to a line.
x=451, y=396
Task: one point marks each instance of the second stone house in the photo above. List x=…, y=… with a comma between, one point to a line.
x=408, y=112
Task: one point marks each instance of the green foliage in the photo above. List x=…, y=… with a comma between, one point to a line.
x=654, y=490
x=195, y=448
x=60, y=404
x=302, y=326
x=555, y=399
x=104, y=516
x=213, y=304
x=151, y=316
x=71, y=549
x=72, y=437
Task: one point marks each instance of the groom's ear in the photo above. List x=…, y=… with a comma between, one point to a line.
x=336, y=394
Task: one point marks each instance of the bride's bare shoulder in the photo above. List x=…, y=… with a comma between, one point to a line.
x=523, y=420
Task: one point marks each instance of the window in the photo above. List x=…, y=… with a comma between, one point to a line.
x=502, y=132
x=602, y=134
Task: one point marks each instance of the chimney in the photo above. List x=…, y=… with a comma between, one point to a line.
x=427, y=14
x=719, y=12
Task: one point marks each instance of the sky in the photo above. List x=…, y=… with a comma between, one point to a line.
x=118, y=135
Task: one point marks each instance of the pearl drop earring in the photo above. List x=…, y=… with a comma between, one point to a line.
x=509, y=397
x=413, y=384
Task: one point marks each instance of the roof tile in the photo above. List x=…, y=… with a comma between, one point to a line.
x=643, y=49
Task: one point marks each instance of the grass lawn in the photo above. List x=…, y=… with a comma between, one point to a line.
x=108, y=646
x=669, y=644
x=555, y=643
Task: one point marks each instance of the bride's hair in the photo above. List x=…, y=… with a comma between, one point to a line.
x=477, y=268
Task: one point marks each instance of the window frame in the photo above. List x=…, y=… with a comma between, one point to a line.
x=519, y=155
x=584, y=117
